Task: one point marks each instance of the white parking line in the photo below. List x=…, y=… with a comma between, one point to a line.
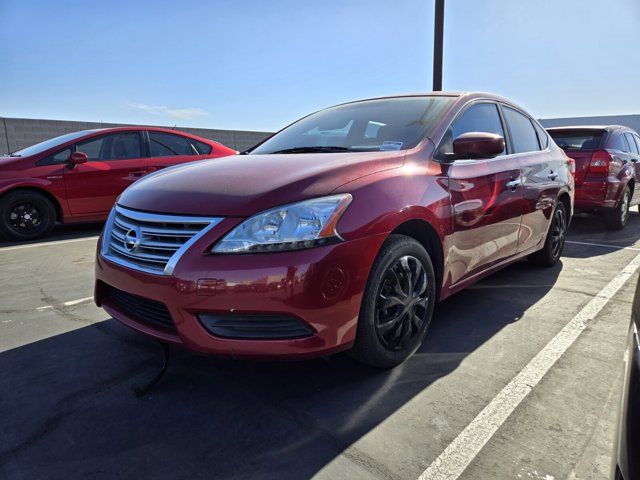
x=45, y=244
x=465, y=447
x=616, y=247
x=66, y=304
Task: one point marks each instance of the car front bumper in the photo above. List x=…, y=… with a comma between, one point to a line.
x=321, y=288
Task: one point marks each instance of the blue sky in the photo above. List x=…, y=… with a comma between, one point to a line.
x=258, y=65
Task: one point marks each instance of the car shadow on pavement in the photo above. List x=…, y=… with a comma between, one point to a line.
x=589, y=228
x=68, y=410
x=61, y=232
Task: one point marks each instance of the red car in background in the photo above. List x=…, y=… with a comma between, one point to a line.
x=606, y=169
x=77, y=177
x=339, y=232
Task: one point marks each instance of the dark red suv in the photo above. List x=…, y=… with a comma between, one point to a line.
x=606, y=169
x=77, y=177
x=339, y=232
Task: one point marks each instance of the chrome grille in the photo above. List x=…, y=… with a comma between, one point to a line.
x=151, y=242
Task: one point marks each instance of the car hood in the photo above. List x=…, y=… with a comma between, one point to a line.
x=242, y=185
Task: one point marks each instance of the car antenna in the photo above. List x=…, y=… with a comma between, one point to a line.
x=143, y=390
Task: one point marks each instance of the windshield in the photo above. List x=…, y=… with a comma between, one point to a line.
x=373, y=125
x=587, y=139
x=52, y=142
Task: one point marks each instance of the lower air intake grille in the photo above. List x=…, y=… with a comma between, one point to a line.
x=140, y=308
x=254, y=327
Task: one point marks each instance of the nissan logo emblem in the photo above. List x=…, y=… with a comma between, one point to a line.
x=132, y=239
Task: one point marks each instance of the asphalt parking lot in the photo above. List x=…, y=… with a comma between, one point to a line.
x=67, y=372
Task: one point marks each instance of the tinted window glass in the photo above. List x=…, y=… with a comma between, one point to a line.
x=617, y=142
x=116, y=146
x=632, y=144
x=523, y=135
x=47, y=144
x=542, y=135
x=167, y=145
x=637, y=139
x=201, y=147
x=384, y=124
x=480, y=117
x=589, y=139
x=59, y=157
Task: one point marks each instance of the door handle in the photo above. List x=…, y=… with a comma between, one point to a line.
x=513, y=184
x=139, y=173
x=552, y=176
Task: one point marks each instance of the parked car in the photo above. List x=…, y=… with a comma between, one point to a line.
x=77, y=177
x=626, y=461
x=606, y=169
x=339, y=232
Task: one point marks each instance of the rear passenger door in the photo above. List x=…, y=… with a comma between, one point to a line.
x=542, y=175
x=485, y=197
x=116, y=160
x=167, y=149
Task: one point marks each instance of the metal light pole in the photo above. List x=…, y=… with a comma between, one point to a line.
x=438, y=41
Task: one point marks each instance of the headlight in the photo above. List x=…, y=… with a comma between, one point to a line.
x=290, y=227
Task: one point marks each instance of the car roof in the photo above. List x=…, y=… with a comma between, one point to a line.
x=462, y=97
x=588, y=127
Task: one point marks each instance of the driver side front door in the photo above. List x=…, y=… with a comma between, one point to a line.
x=116, y=160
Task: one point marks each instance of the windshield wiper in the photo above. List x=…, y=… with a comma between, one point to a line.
x=313, y=149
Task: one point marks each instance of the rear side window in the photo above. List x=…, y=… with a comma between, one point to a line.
x=542, y=135
x=523, y=135
x=480, y=117
x=632, y=144
x=589, y=139
x=617, y=142
x=167, y=145
x=115, y=146
x=201, y=147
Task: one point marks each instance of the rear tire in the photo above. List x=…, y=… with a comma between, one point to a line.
x=397, y=304
x=25, y=215
x=551, y=252
x=617, y=218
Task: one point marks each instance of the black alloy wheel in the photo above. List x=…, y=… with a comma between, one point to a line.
x=401, y=308
x=25, y=215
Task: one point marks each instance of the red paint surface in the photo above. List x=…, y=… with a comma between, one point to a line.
x=86, y=192
x=479, y=225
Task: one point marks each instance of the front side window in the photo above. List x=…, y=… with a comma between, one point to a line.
x=167, y=145
x=632, y=144
x=115, y=146
x=374, y=125
x=578, y=139
x=523, y=135
x=479, y=117
x=57, y=158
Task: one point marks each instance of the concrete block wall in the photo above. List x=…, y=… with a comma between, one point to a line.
x=17, y=133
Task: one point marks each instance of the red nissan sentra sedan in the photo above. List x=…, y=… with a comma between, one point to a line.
x=339, y=232
x=607, y=167
x=77, y=177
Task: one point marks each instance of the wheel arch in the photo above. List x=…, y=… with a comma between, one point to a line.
x=427, y=236
x=48, y=195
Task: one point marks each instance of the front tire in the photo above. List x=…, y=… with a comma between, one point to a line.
x=617, y=218
x=25, y=215
x=397, y=305
x=551, y=252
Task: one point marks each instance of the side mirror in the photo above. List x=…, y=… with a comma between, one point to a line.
x=77, y=158
x=478, y=145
